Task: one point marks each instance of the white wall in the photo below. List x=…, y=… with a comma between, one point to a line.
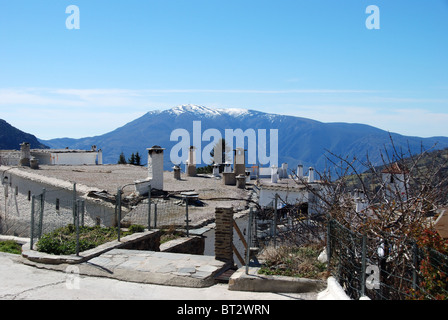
x=266, y=196
x=15, y=208
x=66, y=158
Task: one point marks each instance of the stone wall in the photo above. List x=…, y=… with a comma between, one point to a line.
x=192, y=245
x=149, y=242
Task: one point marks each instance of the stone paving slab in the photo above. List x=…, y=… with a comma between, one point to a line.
x=149, y=267
x=176, y=269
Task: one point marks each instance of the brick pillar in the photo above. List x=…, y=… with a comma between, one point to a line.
x=224, y=234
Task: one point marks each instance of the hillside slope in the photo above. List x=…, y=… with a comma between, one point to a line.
x=11, y=138
x=301, y=140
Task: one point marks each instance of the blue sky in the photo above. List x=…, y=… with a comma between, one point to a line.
x=308, y=58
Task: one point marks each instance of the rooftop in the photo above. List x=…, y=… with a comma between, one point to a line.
x=110, y=177
x=284, y=184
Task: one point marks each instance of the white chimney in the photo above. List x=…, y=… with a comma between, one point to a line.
x=311, y=175
x=25, y=155
x=284, y=173
x=216, y=170
x=155, y=167
x=300, y=171
x=274, y=174
x=228, y=167
x=191, y=167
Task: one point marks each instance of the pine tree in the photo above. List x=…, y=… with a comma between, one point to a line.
x=132, y=159
x=138, y=159
x=122, y=159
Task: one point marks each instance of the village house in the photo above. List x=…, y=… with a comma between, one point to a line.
x=97, y=186
x=27, y=157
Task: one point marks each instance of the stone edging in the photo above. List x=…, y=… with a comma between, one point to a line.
x=46, y=258
x=240, y=281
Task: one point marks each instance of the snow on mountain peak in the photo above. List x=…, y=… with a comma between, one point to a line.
x=206, y=111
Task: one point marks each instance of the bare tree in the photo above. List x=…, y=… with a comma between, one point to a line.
x=391, y=204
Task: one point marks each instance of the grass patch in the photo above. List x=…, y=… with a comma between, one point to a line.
x=294, y=262
x=170, y=234
x=62, y=241
x=10, y=246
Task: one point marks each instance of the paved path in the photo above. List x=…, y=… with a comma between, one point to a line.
x=24, y=282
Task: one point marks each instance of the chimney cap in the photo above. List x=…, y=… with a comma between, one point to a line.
x=155, y=149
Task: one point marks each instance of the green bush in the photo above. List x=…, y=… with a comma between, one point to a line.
x=62, y=241
x=10, y=246
x=136, y=228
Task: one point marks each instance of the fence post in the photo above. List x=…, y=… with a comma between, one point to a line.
x=33, y=198
x=119, y=212
x=249, y=240
x=41, y=216
x=83, y=209
x=328, y=238
x=155, y=215
x=363, y=265
x=186, y=217
x=74, y=203
x=275, y=220
x=77, y=226
x=415, y=264
x=149, y=208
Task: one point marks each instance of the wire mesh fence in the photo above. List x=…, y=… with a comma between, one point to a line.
x=161, y=213
x=387, y=268
x=282, y=224
x=390, y=267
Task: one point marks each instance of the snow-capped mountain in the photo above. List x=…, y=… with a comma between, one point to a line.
x=300, y=140
x=207, y=112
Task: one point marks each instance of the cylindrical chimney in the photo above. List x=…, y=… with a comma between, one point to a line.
x=25, y=155
x=300, y=171
x=311, y=175
x=274, y=174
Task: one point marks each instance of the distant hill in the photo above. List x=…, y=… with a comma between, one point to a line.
x=301, y=141
x=11, y=138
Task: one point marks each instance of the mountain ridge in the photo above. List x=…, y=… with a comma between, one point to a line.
x=11, y=138
x=301, y=140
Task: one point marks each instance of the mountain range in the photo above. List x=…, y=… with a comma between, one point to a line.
x=300, y=140
x=11, y=138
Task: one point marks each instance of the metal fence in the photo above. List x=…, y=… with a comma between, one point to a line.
x=151, y=213
x=46, y=216
x=283, y=224
x=161, y=213
x=35, y=215
x=386, y=268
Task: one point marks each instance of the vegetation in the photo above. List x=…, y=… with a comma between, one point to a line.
x=433, y=268
x=170, y=234
x=62, y=241
x=400, y=200
x=10, y=246
x=122, y=159
x=135, y=159
x=294, y=262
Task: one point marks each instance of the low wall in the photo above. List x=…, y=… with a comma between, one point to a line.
x=192, y=245
x=147, y=239
x=240, y=281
